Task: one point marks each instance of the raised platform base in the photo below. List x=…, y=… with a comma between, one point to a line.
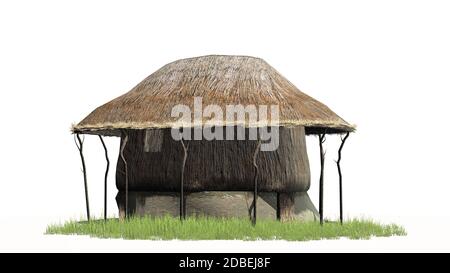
x=270, y=205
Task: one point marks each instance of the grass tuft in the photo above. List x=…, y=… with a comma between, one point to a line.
x=202, y=228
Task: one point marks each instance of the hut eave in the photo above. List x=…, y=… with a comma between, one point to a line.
x=113, y=129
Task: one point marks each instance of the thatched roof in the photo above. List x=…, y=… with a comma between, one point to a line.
x=220, y=80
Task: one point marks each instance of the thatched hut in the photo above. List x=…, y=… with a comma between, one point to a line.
x=159, y=171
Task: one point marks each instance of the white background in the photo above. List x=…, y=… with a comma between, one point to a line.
x=382, y=65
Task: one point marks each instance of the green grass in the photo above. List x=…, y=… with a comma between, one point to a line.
x=168, y=228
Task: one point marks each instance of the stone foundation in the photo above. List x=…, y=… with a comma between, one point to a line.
x=270, y=205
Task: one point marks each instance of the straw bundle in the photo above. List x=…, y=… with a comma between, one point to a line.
x=216, y=165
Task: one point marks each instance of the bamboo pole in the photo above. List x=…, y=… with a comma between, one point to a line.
x=278, y=207
x=106, y=178
x=122, y=148
x=338, y=162
x=83, y=164
x=183, y=164
x=255, y=179
x=322, y=161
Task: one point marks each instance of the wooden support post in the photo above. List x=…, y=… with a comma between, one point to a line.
x=278, y=207
x=338, y=162
x=322, y=161
x=106, y=178
x=122, y=148
x=83, y=164
x=286, y=206
x=183, y=164
x=255, y=179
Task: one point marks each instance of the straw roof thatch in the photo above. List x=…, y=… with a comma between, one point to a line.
x=219, y=80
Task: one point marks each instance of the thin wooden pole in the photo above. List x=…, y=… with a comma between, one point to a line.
x=278, y=207
x=83, y=164
x=183, y=164
x=122, y=148
x=322, y=161
x=338, y=162
x=106, y=177
x=255, y=179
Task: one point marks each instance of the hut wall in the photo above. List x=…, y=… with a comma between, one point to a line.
x=217, y=204
x=219, y=165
